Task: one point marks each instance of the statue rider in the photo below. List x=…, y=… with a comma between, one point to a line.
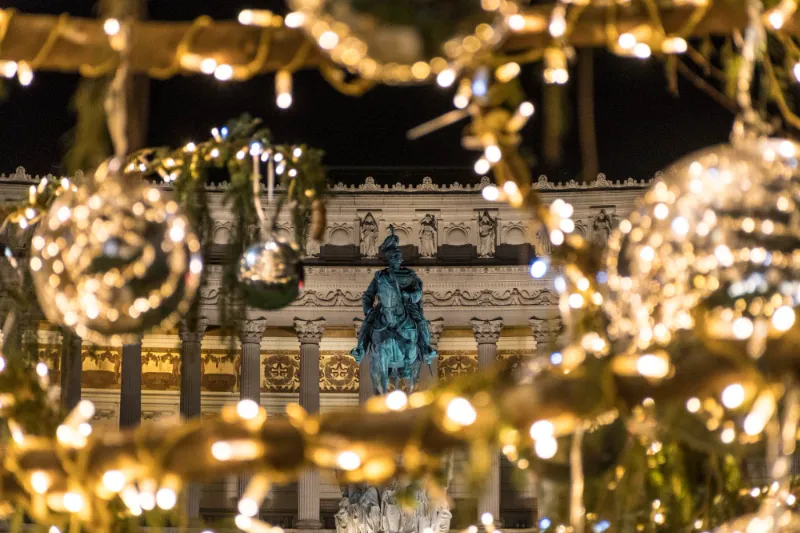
x=395, y=333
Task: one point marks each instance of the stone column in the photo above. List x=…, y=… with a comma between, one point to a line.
x=545, y=331
x=191, y=338
x=365, y=388
x=487, y=332
x=130, y=394
x=309, y=333
x=250, y=334
x=430, y=375
x=71, y=366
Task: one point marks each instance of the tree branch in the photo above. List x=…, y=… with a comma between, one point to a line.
x=83, y=45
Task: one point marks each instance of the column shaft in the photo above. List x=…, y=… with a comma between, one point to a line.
x=71, y=366
x=365, y=387
x=250, y=334
x=191, y=333
x=130, y=396
x=489, y=501
x=309, y=332
x=190, y=379
x=487, y=333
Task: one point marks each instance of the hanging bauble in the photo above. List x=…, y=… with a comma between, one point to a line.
x=271, y=274
x=112, y=259
x=404, y=41
x=714, y=247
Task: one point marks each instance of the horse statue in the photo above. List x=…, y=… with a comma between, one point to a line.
x=395, y=334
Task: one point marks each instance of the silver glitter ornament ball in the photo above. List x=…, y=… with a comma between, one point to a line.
x=112, y=259
x=271, y=274
x=718, y=232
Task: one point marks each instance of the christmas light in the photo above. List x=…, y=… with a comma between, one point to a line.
x=114, y=480
x=783, y=318
x=283, y=89
x=626, y=41
x=348, y=460
x=40, y=481
x=461, y=411
x=248, y=409
x=446, y=77
x=490, y=193
x=733, y=396
x=294, y=19
x=223, y=72
x=166, y=498
x=111, y=26
x=396, y=400
x=546, y=448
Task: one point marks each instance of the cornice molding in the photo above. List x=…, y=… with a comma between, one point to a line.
x=602, y=182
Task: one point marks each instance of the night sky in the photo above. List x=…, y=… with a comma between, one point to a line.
x=641, y=127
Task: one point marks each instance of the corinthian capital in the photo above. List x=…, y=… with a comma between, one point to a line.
x=309, y=331
x=192, y=332
x=487, y=331
x=357, y=323
x=251, y=331
x=545, y=330
x=436, y=326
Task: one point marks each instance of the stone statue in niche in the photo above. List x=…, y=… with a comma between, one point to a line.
x=487, y=234
x=601, y=228
x=543, y=244
x=369, y=236
x=428, y=236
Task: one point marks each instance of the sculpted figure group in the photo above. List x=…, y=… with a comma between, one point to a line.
x=361, y=510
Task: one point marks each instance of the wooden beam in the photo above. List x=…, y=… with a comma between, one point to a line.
x=83, y=42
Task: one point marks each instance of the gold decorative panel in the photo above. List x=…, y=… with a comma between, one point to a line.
x=338, y=372
x=220, y=368
x=457, y=363
x=281, y=371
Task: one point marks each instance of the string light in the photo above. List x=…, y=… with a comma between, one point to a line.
x=760, y=414
x=490, y=193
x=295, y=19
x=8, y=69
x=257, y=17
x=783, y=318
x=24, y=73
x=626, y=41
x=546, y=448
x=463, y=94
x=253, y=495
x=166, y=498
x=283, y=89
x=248, y=409
x=555, y=66
x=114, y=480
x=538, y=268
x=558, y=21
x=396, y=400
x=653, y=365
x=461, y=411
x=348, y=460
x=674, y=45
x=111, y=26
x=733, y=396
x=446, y=78
x=223, y=72
x=40, y=481
x=482, y=166
x=641, y=50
